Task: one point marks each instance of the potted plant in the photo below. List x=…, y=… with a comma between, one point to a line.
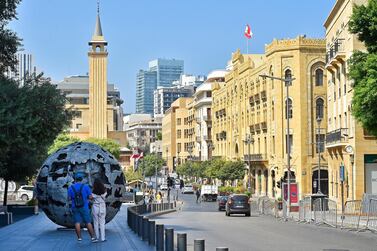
x=280, y=203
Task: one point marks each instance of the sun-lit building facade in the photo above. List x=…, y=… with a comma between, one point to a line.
x=247, y=105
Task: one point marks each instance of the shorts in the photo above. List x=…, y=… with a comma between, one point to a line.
x=81, y=215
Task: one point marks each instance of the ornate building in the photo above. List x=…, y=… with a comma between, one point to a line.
x=247, y=105
x=347, y=143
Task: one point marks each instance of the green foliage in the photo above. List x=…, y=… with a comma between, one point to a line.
x=159, y=136
x=61, y=141
x=363, y=66
x=28, y=127
x=232, y=170
x=149, y=164
x=9, y=42
x=65, y=139
x=230, y=190
x=107, y=144
x=131, y=175
x=363, y=22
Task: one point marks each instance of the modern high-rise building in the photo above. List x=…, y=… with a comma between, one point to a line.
x=165, y=96
x=146, y=83
x=167, y=70
x=347, y=143
x=25, y=67
x=161, y=72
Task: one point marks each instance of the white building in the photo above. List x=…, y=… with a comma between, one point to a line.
x=142, y=133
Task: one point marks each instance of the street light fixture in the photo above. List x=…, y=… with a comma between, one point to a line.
x=249, y=140
x=287, y=81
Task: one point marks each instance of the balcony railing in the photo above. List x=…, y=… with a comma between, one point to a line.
x=207, y=137
x=255, y=157
x=264, y=96
x=198, y=139
x=207, y=118
x=337, y=136
x=257, y=127
x=264, y=126
x=336, y=51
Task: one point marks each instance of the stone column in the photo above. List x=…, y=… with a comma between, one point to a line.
x=257, y=192
x=263, y=180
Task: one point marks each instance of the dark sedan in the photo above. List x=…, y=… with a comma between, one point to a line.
x=221, y=201
x=237, y=204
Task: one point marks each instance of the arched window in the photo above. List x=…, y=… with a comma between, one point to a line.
x=289, y=112
x=319, y=77
x=319, y=104
x=288, y=75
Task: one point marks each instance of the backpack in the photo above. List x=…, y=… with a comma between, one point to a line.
x=78, y=198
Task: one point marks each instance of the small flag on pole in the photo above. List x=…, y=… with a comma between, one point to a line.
x=248, y=33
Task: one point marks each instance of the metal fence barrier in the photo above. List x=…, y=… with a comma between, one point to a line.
x=325, y=211
x=351, y=214
x=369, y=222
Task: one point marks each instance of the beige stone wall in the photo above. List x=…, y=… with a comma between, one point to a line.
x=340, y=46
x=248, y=104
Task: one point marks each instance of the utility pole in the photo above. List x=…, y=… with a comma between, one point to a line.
x=249, y=140
x=287, y=81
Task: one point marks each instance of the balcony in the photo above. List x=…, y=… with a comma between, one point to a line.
x=264, y=126
x=336, y=54
x=257, y=127
x=198, y=139
x=252, y=129
x=257, y=98
x=207, y=137
x=337, y=137
x=198, y=120
x=207, y=118
x=251, y=101
x=258, y=157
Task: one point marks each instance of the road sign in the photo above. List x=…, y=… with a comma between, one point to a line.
x=341, y=173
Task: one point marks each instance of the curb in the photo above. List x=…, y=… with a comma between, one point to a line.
x=152, y=215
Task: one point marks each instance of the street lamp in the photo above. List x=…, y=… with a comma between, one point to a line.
x=155, y=170
x=288, y=81
x=319, y=154
x=249, y=140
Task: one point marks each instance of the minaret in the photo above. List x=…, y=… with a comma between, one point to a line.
x=98, y=83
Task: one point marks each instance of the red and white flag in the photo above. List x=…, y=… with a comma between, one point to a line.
x=248, y=33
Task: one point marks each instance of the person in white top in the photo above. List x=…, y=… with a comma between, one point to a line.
x=99, y=209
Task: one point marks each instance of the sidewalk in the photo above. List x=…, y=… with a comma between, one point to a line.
x=39, y=233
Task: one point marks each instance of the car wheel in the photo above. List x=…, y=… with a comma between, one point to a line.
x=247, y=214
x=24, y=197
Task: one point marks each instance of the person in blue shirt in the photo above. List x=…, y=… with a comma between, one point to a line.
x=81, y=213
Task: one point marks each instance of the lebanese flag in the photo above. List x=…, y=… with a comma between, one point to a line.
x=248, y=33
x=136, y=155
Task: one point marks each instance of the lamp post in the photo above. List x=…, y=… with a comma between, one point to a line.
x=155, y=167
x=319, y=154
x=288, y=82
x=249, y=140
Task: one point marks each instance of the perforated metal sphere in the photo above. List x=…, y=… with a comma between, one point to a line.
x=57, y=174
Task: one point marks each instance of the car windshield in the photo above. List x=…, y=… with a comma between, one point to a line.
x=241, y=198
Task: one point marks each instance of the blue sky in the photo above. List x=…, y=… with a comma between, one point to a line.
x=203, y=33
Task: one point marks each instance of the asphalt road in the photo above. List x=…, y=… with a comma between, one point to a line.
x=239, y=233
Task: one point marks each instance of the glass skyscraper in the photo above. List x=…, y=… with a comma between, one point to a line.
x=146, y=83
x=161, y=73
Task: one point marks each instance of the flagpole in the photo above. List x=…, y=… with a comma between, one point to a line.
x=247, y=46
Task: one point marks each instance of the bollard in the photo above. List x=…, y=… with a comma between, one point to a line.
x=136, y=222
x=152, y=232
x=181, y=242
x=159, y=237
x=140, y=223
x=145, y=228
x=169, y=239
x=222, y=249
x=199, y=245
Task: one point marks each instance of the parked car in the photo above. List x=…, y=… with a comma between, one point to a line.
x=188, y=189
x=221, y=201
x=237, y=204
x=164, y=186
x=25, y=193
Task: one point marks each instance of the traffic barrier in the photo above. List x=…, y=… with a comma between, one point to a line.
x=318, y=211
x=254, y=209
x=351, y=214
x=169, y=239
x=145, y=235
x=181, y=242
x=330, y=214
x=152, y=233
x=371, y=218
x=301, y=211
x=222, y=249
x=307, y=203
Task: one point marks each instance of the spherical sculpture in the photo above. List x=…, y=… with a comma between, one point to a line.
x=57, y=174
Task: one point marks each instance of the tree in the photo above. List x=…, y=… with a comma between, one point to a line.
x=65, y=139
x=159, y=136
x=28, y=127
x=9, y=42
x=107, y=144
x=131, y=175
x=149, y=164
x=186, y=169
x=231, y=170
x=363, y=66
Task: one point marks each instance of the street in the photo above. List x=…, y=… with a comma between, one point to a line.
x=239, y=233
